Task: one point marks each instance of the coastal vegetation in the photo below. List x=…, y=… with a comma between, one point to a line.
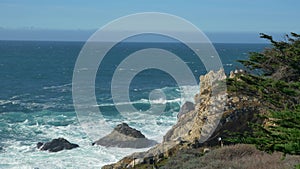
x=275, y=80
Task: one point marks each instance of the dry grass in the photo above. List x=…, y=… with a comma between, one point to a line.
x=239, y=156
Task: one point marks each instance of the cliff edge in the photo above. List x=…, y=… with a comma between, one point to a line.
x=215, y=113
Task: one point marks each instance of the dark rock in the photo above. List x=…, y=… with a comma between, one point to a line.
x=128, y=131
x=56, y=145
x=186, y=107
x=125, y=137
x=39, y=145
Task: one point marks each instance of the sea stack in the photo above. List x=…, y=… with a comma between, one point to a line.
x=124, y=136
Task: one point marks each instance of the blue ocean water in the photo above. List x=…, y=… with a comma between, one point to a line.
x=36, y=99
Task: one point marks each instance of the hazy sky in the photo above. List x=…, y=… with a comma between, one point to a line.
x=208, y=15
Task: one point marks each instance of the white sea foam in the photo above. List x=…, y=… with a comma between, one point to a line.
x=188, y=93
x=141, y=101
x=3, y=102
x=19, y=150
x=57, y=87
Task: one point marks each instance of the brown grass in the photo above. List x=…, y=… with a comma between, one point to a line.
x=239, y=156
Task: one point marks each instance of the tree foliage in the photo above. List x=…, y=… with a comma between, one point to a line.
x=281, y=62
x=281, y=134
x=277, y=85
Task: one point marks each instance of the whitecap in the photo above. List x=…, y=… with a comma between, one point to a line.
x=228, y=64
x=57, y=86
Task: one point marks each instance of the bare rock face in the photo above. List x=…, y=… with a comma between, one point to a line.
x=124, y=136
x=215, y=112
x=197, y=121
x=199, y=124
x=56, y=145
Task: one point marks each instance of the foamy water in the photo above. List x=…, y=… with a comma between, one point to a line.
x=19, y=148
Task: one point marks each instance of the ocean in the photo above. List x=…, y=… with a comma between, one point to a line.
x=36, y=102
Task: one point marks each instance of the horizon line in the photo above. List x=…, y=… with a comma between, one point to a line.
x=84, y=35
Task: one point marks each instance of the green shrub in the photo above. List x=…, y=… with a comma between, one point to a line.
x=277, y=86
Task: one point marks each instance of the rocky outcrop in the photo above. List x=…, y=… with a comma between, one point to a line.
x=216, y=111
x=125, y=137
x=200, y=123
x=56, y=145
x=128, y=131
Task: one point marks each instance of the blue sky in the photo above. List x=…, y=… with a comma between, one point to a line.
x=270, y=16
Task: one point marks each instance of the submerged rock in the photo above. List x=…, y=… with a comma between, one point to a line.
x=56, y=145
x=125, y=137
x=186, y=107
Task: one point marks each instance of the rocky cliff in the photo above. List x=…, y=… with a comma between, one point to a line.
x=200, y=123
x=216, y=112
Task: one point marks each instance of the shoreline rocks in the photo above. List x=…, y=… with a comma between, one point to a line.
x=216, y=111
x=56, y=145
x=196, y=122
x=124, y=136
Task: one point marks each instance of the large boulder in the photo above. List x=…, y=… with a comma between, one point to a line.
x=124, y=136
x=56, y=145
